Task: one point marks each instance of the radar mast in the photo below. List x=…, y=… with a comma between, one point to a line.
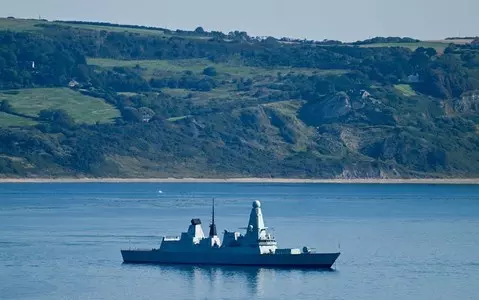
x=213, y=225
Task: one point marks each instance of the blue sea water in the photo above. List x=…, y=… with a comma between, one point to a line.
x=63, y=241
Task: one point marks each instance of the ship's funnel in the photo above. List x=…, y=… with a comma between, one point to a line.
x=195, y=230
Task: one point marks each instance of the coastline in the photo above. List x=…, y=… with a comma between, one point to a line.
x=244, y=180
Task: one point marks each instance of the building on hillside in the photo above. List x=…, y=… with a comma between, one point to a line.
x=146, y=114
x=413, y=78
x=364, y=94
x=73, y=84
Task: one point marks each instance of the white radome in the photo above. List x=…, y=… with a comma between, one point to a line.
x=256, y=204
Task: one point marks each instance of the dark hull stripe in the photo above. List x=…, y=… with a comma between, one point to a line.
x=305, y=266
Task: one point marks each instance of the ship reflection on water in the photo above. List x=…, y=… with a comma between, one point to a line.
x=216, y=281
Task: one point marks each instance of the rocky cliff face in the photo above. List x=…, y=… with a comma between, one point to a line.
x=369, y=170
x=347, y=108
x=329, y=108
x=335, y=107
x=468, y=103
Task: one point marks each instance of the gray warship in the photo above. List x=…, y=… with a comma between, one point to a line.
x=257, y=247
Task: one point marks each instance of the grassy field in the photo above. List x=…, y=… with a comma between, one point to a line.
x=142, y=31
x=454, y=41
x=20, y=24
x=405, y=89
x=83, y=109
x=29, y=25
x=182, y=93
x=438, y=45
x=220, y=92
x=174, y=119
x=204, y=98
x=150, y=67
x=11, y=120
x=115, y=29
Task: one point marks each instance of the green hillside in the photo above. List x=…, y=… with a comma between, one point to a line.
x=405, y=89
x=12, y=120
x=20, y=24
x=100, y=99
x=438, y=46
x=149, y=67
x=83, y=109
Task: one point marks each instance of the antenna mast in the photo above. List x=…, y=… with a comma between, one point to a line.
x=213, y=225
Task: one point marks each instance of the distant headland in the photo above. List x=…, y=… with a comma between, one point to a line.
x=243, y=180
x=103, y=100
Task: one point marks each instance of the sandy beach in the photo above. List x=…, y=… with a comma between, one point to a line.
x=246, y=180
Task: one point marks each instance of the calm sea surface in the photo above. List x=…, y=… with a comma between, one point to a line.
x=63, y=241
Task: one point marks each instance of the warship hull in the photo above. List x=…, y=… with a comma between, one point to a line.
x=309, y=260
x=257, y=247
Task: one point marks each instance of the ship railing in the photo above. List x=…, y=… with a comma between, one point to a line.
x=142, y=249
x=171, y=238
